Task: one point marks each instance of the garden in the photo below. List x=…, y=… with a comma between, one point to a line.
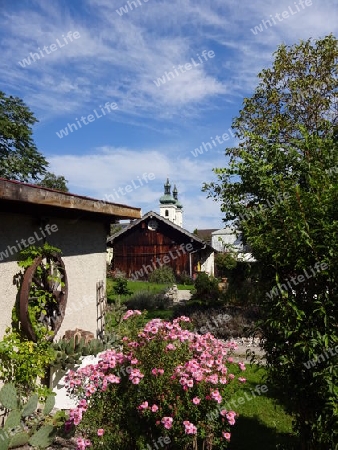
x=167, y=375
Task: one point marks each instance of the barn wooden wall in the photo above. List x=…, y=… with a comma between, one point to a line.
x=139, y=247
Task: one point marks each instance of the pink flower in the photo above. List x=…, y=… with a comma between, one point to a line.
x=226, y=435
x=131, y=313
x=154, y=408
x=242, y=366
x=241, y=379
x=143, y=405
x=196, y=401
x=216, y=395
x=100, y=432
x=189, y=427
x=167, y=422
x=170, y=347
x=231, y=417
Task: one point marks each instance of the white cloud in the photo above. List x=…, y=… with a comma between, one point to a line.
x=106, y=172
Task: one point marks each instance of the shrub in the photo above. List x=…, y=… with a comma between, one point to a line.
x=24, y=362
x=166, y=383
x=162, y=275
x=121, y=286
x=146, y=300
x=206, y=288
x=184, y=278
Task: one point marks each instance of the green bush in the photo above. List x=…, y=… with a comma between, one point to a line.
x=162, y=275
x=206, y=288
x=184, y=279
x=149, y=301
x=121, y=286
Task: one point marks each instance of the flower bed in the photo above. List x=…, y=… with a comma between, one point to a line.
x=161, y=390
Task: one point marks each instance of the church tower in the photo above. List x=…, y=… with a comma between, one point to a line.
x=179, y=208
x=170, y=207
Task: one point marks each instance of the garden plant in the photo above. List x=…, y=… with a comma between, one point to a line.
x=160, y=388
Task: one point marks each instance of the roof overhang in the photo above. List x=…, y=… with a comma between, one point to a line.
x=29, y=199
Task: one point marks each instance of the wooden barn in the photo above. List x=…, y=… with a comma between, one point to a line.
x=153, y=241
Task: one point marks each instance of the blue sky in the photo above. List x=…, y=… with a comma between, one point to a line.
x=91, y=53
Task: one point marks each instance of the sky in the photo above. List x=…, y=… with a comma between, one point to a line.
x=128, y=94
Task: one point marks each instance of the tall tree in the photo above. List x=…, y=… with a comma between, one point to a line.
x=281, y=186
x=53, y=181
x=19, y=158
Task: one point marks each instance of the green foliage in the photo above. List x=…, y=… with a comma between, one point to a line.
x=23, y=362
x=282, y=184
x=28, y=255
x=116, y=326
x=225, y=261
x=121, y=286
x=19, y=157
x=53, y=181
x=25, y=422
x=147, y=300
x=206, y=288
x=185, y=279
x=40, y=298
x=162, y=275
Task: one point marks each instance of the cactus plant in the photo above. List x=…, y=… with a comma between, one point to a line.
x=49, y=405
x=13, y=419
x=30, y=406
x=18, y=439
x=43, y=437
x=9, y=396
x=70, y=352
x=25, y=423
x=4, y=440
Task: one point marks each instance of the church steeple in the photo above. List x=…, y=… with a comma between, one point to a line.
x=167, y=188
x=167, y=198
x=170, y=207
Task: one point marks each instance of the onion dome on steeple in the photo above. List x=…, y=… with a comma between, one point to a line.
x=175, y=195
x=167, y=198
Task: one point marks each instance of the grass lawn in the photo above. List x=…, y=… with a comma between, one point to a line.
x=262, y=422
x=138, y=286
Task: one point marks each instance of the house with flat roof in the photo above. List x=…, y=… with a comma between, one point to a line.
x=79, y=226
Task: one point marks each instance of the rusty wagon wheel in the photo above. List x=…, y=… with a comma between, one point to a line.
x=43, y=295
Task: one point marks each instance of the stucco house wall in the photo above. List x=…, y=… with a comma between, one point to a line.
x=78, y=226
x=84, y=255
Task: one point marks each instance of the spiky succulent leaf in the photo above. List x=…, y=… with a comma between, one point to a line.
x=19, y=439
x=49, y=405
x=30, y=406
x=4, y=440
x=13, y=419
x=9, y=396
x=43, y=437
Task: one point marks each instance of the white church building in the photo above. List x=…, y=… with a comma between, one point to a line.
x=170, y=207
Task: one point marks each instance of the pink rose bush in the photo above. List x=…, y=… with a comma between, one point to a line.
x=162, y=381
